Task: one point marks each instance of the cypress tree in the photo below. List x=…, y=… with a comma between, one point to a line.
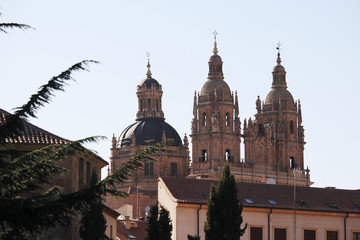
x=165, y=224
x=153, y=228
x=223, y=218
x=93, y=223
x=159, y=225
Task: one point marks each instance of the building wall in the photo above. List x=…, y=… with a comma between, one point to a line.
x=110, y=226
x=184, y=219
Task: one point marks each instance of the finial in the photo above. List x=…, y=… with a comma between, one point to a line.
x=148, y=65
x=215, y=51
x=278, y=48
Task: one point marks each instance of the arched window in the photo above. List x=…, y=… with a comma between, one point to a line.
x=157, y=104
x=203, y=155
x=227, y=119
x=141, y=105
x=292, y=162
x=291, y=127
x=204, y=119
x=227, y=155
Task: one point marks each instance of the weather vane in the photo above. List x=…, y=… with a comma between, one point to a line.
x=215, y=33
x=148, y=55
x=278, y=46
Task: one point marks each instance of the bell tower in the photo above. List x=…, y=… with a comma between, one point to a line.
x=149, y=94
x=274, y=140
x=215, y=130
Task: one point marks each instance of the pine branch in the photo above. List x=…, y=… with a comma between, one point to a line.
x=14, y=25
x=13, y=123
x=109, y=184
x=45, y=92
x=33, y=170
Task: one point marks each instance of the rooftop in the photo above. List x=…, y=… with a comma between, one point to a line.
x=194, y=191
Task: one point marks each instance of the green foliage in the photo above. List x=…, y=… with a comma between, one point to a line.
x=223, y=217
x=93, y=223
x=159, y=225
x=189, y=237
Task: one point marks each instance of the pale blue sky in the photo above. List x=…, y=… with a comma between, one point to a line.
x=321, y=54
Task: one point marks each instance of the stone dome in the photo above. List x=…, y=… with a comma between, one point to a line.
x=278, y=68
x=148, y=82
x=149, y=129
x=278, y=93
x=222, y=88
x=215, y=59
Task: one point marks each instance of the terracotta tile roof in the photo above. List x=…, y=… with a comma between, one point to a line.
x=260, y=195
x=32, y=134
x=111, y=212
x=139, y=233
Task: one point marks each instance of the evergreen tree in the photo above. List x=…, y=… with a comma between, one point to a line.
x=165, y=224
x=159, y=225
x=153, y=227
x=93, y=222
x=223, y=218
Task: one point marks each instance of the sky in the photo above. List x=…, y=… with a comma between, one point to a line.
x=320, y=52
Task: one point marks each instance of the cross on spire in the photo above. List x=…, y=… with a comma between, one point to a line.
x=278, y=46
x=148, y=65
x=215, y=33
x=215, y=51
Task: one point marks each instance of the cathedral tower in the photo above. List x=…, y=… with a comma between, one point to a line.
x=215, y=128
x=274, y=140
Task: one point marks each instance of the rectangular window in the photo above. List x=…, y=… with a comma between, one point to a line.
x=174, y=169
x=356, y=236
x=81, y=173
x=149, y=104
x=331, y=235
x=309, y=235
x=149, y=169
x=88, y=172
x=280, y=233
x=203, y=155
x=256, y=233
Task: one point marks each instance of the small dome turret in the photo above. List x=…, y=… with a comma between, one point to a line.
x=215, y=82
x=279, y=86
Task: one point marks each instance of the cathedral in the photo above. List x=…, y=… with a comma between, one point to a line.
x=273, y=139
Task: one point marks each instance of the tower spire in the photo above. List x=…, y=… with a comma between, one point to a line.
x=148, y=65
x=279, y=73
x=215, y=51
